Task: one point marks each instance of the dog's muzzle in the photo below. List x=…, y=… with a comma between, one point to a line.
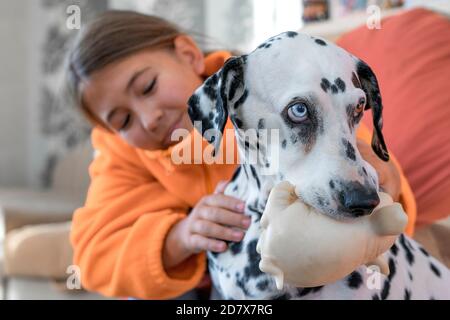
x=358, y=200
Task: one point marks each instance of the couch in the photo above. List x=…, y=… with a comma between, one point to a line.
x=34, y=232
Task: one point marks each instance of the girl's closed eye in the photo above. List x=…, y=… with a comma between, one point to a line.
x=126, y=122
x=149, y=87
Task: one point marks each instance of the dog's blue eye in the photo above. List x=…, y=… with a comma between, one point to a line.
x=298, y=112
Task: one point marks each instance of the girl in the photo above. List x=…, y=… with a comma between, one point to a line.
x=147, y=222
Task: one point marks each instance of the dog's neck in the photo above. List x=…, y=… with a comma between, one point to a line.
x=256, y=175
x=253, y=185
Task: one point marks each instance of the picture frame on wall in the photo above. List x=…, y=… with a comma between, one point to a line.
x=315, y=10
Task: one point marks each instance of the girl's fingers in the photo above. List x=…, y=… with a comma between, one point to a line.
x=225, y=202
x=212, y=230
x=201, y=243
x=225, y=217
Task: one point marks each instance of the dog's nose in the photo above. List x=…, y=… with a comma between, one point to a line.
x=360, y=202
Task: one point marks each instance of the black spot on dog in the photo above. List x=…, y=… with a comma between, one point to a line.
x=240, y=283
x=394, y=249
x=245, y=171
x=262, y=285
x=261, y=124
x=410, y=276
x=227, y=275
x=332, y=185
x=235, y=188
x=364, y=170
x=235, y=247
x=355, y=81
x=241, y=100
x=435, y=270
x=236, y=121
x=283, y=144
x=211, y=116
x=291, y=34
x=392, y=268
x=262, y=45
x=375, y=297
x=408, y=253
x=325, y=84
x=284, y=296
x=407, y=295
x=305, y=291
x=210, y=87
x=320, y=201
x=320, y=42
x=234, y=86
x=424, y=252
x=354, y=280
x=267, y=46
x=194, y=102
x=334, y=89
x=255, y=210
x=340, y=84
x=236, y=174
x=258, y=183
x=349, y=150
x=385, y=290
x=252, y=269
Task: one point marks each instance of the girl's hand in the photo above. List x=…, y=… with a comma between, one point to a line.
x=388, y=175
x=215, y=218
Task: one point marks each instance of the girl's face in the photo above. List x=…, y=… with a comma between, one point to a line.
x=143, y=97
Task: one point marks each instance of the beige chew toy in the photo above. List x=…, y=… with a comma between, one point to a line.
x=304, y=248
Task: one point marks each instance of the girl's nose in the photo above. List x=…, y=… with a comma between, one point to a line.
x=150, y=119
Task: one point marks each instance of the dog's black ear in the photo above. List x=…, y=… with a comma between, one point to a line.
x=369, y=84
x=220, y=94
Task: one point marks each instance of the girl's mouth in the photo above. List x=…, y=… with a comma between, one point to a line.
x=177, y=124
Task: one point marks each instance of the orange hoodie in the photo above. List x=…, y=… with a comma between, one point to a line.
x=135, y=197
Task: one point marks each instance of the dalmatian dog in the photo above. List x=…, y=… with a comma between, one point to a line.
x=314, y=94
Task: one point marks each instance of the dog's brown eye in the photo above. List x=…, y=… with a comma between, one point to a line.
x=359, y=108
x=298, y=112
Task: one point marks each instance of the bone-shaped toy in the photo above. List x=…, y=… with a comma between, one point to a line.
x=305, y=248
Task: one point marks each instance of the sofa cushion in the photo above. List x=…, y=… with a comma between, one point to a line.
x=410, y=55
x=42, y=250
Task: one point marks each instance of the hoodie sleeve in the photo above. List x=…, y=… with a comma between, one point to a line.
x=118, y=235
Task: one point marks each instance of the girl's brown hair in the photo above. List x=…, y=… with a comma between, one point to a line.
x=112, y=36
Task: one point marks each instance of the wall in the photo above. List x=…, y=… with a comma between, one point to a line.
x=13, y=97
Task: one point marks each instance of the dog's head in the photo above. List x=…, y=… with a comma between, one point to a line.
x=314, y=93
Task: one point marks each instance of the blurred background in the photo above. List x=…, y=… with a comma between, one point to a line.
x=45, y=147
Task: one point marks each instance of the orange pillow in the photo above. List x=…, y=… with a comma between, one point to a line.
x=410, y=56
